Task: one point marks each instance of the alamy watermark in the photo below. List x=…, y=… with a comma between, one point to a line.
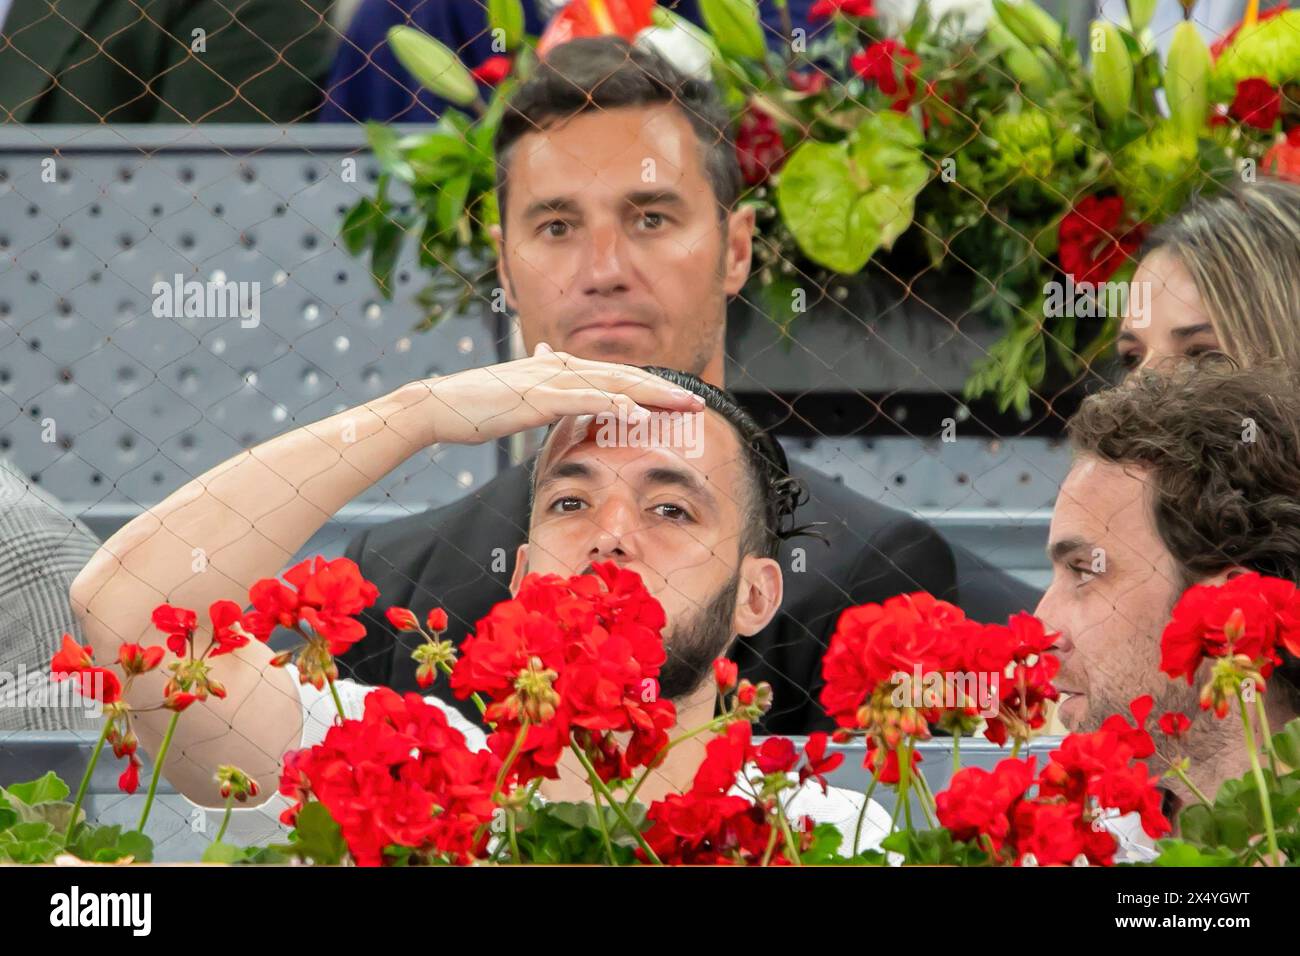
x=684, y=430
x=1089, y=300
x=36, y=690
x=215, y=298
x=950, y=690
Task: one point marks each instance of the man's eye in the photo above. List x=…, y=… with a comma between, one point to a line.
x=652, y=220
x=673, y=512
x=556, y=228
x=568, y=504
x=1083, y=573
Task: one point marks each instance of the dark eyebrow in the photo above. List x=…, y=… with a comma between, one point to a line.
x=566, y=469
x=1187, y=331
x=554, y=204
x=680, y=478
x=655, y=197
x=1057, y=550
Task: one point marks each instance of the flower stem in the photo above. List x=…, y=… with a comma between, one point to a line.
x=866, y=802
x=604, y=830
x=512, y=830
x=715, y=724
x=478, y=701
x=905, y=781
x=1266, y=732
x=1181, y=774
x=598, y=786
x=338, y=701
x=927, y=800
x=1264, y=802
x=85, y=782
x=225, y=819
x=157, y=770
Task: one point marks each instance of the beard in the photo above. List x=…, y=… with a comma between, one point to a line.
x=696, y=642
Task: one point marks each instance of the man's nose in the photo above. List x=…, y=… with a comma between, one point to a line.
x=615, y=526
x=1045, y=612
x=606, y=268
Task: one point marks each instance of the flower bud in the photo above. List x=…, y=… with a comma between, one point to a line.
x=1112, y=73
x=437, y=620
x=402, y=619
x=434, y=65
x=1187, y=79
x=725, y=674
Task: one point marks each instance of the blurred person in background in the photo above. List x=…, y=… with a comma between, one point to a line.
x=41, y=551
x=163, y=61
x=1221, y=275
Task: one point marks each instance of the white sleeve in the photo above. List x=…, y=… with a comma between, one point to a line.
x=261, y=824
x=843, y=809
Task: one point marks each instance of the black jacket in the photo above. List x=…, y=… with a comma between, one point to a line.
x=445, y=558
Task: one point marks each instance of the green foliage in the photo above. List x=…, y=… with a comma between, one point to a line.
x=34, y=818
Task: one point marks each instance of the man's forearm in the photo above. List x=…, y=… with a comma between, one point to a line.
x=237, y=523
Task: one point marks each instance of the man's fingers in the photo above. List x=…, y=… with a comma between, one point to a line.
x=642, y=387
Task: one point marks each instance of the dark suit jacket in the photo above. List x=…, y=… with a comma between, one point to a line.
x=114, y=61
x=445, y=558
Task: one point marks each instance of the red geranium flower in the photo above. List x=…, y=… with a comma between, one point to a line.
x=1094, y=241
x=892, y=67
x=816, y=764
x=402, y=619
x=807, y=81
x=1174, y=724
x=178, y=623
x=1258, y=103
x=75, y=661
x=1247, y=615
x=137, y=659
x=725, y=675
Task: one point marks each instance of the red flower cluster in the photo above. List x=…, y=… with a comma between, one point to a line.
x=1090, y=775
x=708, y=825
x=327, y=595
x=759, y=148
x=1093, y=240
x=1243, y=622
x=400, y=776
x=825, y=9
x=1257, y=103
x=892, y=67
x=99, y=683
x=896, y=669
x=577, y=656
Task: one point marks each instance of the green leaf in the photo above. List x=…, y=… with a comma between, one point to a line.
x=8, y=815
x=433, y=64
x=736, y=27
x=42, y=790
x=317, y=836
x=1179, y=853
x=388, y=244
x=843, y=201
x=33, y=842
x=450, y=204
x=358, y=225
x=1286, y=743
x=384, y=143
x=108, y=844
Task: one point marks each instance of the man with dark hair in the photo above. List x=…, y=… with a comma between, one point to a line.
x=621, y=239
x=1180, y=479
x=670, y=494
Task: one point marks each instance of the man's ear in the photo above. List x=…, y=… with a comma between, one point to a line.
x=740, y=249
x=758, y=596
x=521, y=568
x=503, y=269
x=1226, y=575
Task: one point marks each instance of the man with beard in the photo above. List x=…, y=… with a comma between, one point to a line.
x=622, y=238
x=1180, y=479
x=698, y=520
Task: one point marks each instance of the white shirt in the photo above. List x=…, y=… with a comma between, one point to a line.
x=260, y=824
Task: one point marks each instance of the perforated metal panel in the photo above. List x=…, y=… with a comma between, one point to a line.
x=110, y=407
